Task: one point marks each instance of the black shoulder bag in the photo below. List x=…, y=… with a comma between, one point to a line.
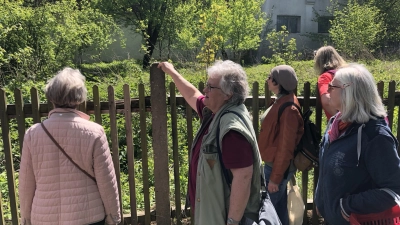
x=267, y=212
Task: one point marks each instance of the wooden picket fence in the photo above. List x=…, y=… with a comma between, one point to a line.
x=156, y=105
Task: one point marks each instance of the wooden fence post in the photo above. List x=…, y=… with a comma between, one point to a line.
x=5, y=132
x=391, y=102
x=174, y=134
x=255, y=108
x=160, y=144
x=145, y=160
x=35, y=105
x=1, y=212
x=19, y=109
x=130, y=154
x=114, y=143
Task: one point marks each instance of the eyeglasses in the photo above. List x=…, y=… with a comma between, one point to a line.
x=209, y=87
x=331, y=86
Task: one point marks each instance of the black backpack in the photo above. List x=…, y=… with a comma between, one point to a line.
x=306, y=152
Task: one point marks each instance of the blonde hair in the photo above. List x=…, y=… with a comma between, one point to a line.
x=327, y=58
x=66, y=89
x=360, y=98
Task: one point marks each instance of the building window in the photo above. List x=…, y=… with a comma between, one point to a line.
x=324, y=24
x=292, y=23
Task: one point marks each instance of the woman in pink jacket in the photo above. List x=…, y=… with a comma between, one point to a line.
x=52, y=188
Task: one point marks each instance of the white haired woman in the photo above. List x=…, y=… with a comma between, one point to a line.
x=67, y=175
x=211, y=199
x=358, y=156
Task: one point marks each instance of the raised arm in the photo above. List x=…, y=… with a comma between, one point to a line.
x=323, y=82
x=325, y=99
x=188, y=90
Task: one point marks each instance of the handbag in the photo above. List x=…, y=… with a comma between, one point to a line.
x=389, y=216
x=267, y=212
x=66, y=155
x=295, y=203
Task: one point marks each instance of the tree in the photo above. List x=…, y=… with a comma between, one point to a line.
x=38, y=41
x=220, y=26
x=212, y=31
x=283, y=49
x=389, y=12
x=245, y=22
x=142, y=15
x=356, y=28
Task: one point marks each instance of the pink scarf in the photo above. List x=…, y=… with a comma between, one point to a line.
x=337, y=128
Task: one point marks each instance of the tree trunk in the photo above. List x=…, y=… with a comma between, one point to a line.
x=152, y=40
x=153, y=31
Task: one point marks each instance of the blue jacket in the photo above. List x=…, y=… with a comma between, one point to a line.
x=351, y=181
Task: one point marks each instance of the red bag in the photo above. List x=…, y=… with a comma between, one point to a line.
x=387, y=217
x=390, y=216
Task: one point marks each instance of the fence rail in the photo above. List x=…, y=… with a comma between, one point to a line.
x=158, y=105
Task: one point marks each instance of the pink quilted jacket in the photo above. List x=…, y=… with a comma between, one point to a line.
x=54, y=191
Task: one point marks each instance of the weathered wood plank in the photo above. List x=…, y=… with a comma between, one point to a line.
x=35, y=105
x=130, y=154
x=114, y=142
x=304, y=175
x=174, y=134
x=97, y=105
x=19, y=107
x=1, y=211
x=267, y=97
x=255, y=109
x=5, y=132
x=391, y=102
x=145, y=160
x=380, y=87
x=82, y=107
x=160, y=144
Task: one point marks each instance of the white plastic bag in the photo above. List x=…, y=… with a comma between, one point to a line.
x=295, y=204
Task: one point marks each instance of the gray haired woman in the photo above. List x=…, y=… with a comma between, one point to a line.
x=75, y=187
x=211, y=198
x=358, y=160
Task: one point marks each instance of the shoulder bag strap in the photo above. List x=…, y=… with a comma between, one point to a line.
x=66, y=155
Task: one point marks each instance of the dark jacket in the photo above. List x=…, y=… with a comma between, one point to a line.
x=354, y=177
x=277, y=142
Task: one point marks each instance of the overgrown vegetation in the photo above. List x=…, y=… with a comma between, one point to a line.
x=284, y=49
x=37, y=41
x=357, y=30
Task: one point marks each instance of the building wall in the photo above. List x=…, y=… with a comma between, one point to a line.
x=305, y=9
